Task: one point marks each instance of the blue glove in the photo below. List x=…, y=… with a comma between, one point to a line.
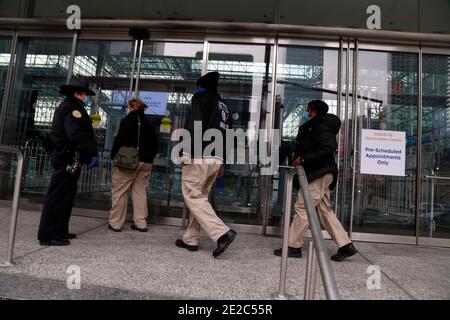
x=93, y=162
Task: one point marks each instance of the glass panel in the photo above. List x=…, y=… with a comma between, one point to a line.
x=168, y=74
x=303, y=74
x=41, y=67
x=435, y=206
x=5, y=58
x=387, y=100
x=6, y=174
x=244, y=85
x=107, y=65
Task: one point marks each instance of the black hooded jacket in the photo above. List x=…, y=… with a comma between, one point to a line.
x=208, y=108
x=127, y=136
x=316, y=145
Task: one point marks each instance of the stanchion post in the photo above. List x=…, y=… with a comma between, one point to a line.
x=15, y=204
x=282, y=294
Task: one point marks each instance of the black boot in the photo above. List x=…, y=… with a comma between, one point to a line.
x=292, y=252
x=344, y=252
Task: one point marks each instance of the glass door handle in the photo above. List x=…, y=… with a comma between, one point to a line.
x=437, y=177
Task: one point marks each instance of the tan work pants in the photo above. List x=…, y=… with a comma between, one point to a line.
x=122, y=180
x=320, y=192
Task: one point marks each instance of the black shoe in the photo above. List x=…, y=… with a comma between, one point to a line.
x=292, y=252
x=344, y=252
x=138, y=229
x=180, y=244
x=60, y=242
x=223, y=242
x=69, y=236
x=115, y=230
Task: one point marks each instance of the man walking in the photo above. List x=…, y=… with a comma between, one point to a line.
x=74, y=144
x=200, y=171
x=315, y=150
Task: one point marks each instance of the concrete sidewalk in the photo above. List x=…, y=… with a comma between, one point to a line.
x=133, y=265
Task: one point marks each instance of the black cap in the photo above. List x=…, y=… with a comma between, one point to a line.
x=209, y=81
x=76, y=85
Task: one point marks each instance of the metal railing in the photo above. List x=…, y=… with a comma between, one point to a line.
x=38, y=170
x=316, y=247
x=15, y=203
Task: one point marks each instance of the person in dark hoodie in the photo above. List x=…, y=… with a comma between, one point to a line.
x=199, y=171
x=73, y=144
x=135, y=131
x=315, y=149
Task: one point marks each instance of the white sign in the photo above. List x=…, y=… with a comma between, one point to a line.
x=156, y=101
x=383, y=152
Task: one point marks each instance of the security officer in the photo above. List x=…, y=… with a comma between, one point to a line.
x=200, y=171
x=74, y=144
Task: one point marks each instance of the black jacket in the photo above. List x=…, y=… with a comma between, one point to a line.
x=208, y=108
x=72, y=131
x=316, y=145
x=127, y=136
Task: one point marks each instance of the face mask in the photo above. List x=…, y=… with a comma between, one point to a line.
x=87, y=100
x=305, y=117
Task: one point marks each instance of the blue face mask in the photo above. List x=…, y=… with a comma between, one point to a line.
x=305, y=117
x=87, y=100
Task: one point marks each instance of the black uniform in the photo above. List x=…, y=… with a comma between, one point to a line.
x=72, y=135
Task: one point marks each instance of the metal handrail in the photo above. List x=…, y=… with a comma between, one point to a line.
x=326, y=270
x=15, y=203
x=316, y=247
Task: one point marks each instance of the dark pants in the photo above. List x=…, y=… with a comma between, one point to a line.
x=58, y=201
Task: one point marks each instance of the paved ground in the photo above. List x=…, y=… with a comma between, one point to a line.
x=132, y=265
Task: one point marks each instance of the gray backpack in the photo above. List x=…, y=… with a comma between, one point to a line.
x=128, y=157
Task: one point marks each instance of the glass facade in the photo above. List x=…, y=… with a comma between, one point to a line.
x=386, y=98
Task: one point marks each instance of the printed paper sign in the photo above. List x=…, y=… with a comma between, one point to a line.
x=383, y=152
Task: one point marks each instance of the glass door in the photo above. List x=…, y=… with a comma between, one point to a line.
x=167, y=75
x=384, y=124
x=434, y=210
x=304, y=73
x=244, y=85
x=40, y=67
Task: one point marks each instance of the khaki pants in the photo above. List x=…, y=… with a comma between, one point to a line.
x=122, y=180
x=197, y=181
x=320, y=193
